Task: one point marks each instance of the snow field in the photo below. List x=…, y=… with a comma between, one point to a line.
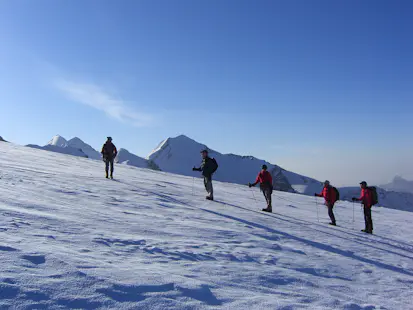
x=70, y=239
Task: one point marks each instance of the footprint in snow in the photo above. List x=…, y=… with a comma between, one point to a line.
x=6, y=248
x=35, y=259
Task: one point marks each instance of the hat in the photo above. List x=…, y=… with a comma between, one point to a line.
x=326, y=182
x=363, y=183
x=264, y=167
x=109, y=138
x=204, y=151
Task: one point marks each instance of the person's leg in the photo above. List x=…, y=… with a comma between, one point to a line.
x=366, y=218
x=267, y=195
x=331, y=213
x=107, y=167
x=369, y=220
x=111, y=167
x=208, y=186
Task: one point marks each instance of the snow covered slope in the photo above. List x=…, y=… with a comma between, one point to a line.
x=72, y=240
x=127, y=158
x=2, y=140
x=58, y=149
x=86, y=148
x=180, y=154
x=399, y=185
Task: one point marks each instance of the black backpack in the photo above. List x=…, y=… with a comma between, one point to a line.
x=337, y=193
x=374, y=196
x=214, y=165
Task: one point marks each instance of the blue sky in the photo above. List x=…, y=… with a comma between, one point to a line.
x=323, y=88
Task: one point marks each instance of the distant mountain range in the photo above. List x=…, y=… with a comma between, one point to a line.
x=399, y=185
x=178, y=155
x=2, y=140
x=77, y=147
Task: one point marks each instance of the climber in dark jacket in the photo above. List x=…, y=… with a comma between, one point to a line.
x=208, y=167
x=109, y=153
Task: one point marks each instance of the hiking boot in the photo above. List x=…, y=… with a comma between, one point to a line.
x=332, y=224
x=267, y=210
x=209, y=198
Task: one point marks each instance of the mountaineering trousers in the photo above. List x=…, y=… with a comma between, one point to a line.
x=330, y=207
x=368, y=219
x=208, y=186
x=109, y=162
x=267, y=194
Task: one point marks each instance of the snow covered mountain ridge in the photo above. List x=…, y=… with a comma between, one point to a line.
x=178, y=155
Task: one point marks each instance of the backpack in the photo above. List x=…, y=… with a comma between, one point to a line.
x=374, y=196
x=214, y=165
x=337, y=193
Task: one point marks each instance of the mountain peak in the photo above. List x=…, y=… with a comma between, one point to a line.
x=58, y=140
x=75, y=139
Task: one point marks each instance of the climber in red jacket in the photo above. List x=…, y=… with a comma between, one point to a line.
x=366, y=199
x=330, y=197
x=264, y=178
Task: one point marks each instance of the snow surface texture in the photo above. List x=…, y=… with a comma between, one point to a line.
x=148, y=240
x=176, y=155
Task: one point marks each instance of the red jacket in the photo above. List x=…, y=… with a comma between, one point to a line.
x=264, y=177
x=366, y=197
x=329, y=194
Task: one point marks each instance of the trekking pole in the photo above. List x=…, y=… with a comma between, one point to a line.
x=316, y=202
x=193, y=185
x=253, y=195
x=353, y=215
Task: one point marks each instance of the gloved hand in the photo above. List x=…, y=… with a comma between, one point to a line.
x=249, y=185
x=315, y=194
x=354, y=199
x=195, y=169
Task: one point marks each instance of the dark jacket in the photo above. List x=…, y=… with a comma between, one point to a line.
x=207, y=167
x=109, y=150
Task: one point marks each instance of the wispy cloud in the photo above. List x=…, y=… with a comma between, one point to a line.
x=94, y=96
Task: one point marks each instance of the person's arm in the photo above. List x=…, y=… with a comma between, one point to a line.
x=257, y=180
x=321, y=194
x=115, y=151
x=196, y=169
x=360, y=198
x=103, y=150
